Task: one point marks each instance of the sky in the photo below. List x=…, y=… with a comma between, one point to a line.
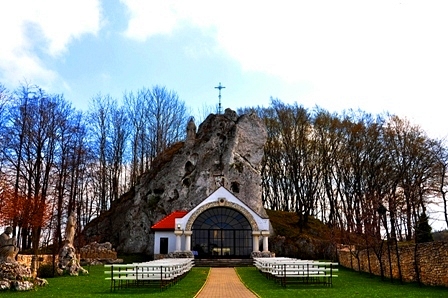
x=377, y=56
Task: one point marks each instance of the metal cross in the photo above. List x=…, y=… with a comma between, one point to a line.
x=219, y=96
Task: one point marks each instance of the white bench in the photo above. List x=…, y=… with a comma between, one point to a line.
x=161, y=272
x=297, y=271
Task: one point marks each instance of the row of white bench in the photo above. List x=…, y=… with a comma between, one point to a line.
x=293, y=270
x=162, y=272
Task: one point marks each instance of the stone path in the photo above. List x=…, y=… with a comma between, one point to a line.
x=224, y=283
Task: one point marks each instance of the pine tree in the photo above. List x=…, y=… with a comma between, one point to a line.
x=423, y=231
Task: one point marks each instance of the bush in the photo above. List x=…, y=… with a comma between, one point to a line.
x=45, y=271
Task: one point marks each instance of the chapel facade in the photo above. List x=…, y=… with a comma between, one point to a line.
x=221, y=226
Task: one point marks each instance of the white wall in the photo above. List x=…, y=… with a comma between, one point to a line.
x=171, y=241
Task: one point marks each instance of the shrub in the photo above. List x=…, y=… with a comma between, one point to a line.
x=45, y=271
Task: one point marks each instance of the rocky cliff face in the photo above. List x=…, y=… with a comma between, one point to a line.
x=226, y=150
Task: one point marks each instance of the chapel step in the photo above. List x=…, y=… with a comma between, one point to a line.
x=223, y=262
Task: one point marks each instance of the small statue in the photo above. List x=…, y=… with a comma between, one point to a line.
x=191, y=131
x=8, y=246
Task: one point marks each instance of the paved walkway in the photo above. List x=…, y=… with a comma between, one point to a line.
x=224, y=283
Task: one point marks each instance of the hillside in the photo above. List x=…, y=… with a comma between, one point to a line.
x=316, y=241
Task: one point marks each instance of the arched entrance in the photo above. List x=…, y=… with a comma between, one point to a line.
x=221, y=232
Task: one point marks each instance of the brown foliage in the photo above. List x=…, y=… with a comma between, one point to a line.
x=26, y=212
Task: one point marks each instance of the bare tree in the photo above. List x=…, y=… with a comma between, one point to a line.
x=68, y=164
x=166, y=119
x=328, y=134
x=412, y=165
x=100, y=127
x=274, y=181
x=5, y=100
x=440, y=178
x=157, y=119
x=119, y=137
x=32, y=136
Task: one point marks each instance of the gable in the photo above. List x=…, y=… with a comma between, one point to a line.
x=223, y=198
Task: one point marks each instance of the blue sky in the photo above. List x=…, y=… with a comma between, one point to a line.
x=374, y=55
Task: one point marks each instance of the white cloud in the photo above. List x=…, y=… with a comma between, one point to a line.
x=148, y=18
x=375, y=55
x=46, y=27
x=303, y=40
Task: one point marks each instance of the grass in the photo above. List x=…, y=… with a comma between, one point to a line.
x=94, y=285
x=348, y=284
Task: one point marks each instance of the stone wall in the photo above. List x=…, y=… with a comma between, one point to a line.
x=25, y=260
x=431, y=260
x=96, y=250
x=94, y=253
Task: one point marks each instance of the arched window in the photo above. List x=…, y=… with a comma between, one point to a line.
x=222, y=232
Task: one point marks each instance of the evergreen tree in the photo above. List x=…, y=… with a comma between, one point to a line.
x=423, y=231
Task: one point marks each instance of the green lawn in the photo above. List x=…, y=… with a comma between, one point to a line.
x=348, y=284
x=95, y=285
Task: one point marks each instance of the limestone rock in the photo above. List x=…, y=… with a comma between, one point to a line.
x=97, y=250
x=5, y=285
x=22, y=285
x=69, y=262
x=99, y=253
x=227, y=150
x=14, y=276
x=14, y=271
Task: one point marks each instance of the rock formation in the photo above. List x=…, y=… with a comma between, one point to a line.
x=226, y=150
x=13, y=275
x=99, y=253
x=69, y=261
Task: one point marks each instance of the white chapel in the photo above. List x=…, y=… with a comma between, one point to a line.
x=221, y=226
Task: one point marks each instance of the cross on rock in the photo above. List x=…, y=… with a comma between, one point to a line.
x=219, y=87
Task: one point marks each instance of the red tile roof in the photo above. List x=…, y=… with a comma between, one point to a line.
x=168, y=222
